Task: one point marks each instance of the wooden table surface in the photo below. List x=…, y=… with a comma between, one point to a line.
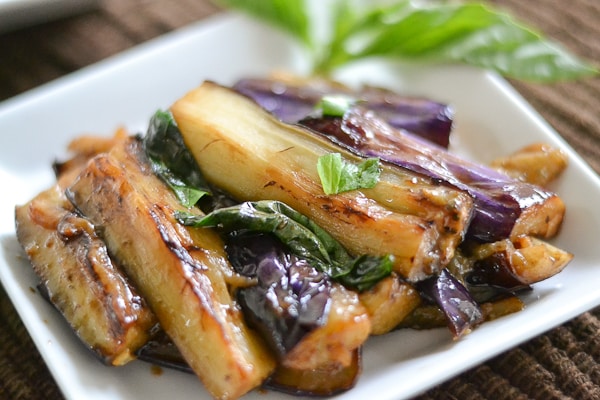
x=563, y=363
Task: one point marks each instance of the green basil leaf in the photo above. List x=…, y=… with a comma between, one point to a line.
x=477, y=35
x=366, y=272
x=301, y=235
x=171, y=160
x=187, y=195
x=288, y=15
x=422, y=30
x=338, y=175
x=351, y=20
x=519, y=54
x=433, y=32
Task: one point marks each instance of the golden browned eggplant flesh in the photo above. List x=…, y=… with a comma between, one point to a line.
x=118, y=260
x=77, y=274
x=181, y=274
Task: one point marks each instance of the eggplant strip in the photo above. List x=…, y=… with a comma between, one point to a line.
x=291, y=99
x=307, y=319
x=389, y=302
x=529, y=260
x=345, y=331
x=431, y=317
x=181, y=273
x=78, y=276
x=267, y=159
x=323, y=380
x=504, y=206
x=538, y=164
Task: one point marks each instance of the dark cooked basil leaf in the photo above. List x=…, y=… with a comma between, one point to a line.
x=301, y=235
x=172, y=161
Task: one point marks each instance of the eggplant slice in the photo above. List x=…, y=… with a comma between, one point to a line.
x=183, y=274
x=77, y=275
x=405, y=214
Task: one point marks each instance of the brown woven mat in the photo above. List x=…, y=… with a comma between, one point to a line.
x=561, y=364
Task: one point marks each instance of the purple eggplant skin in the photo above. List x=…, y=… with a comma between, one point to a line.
x=161, y=351
x=454, y=300
x=424, y=118
x=499, y=199
x=290, y=103
x=495, y=271
x=492, y=279
x=324, y=381
x=291, y=298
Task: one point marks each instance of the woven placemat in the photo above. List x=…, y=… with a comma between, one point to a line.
x=23, y=374
x=561, y=364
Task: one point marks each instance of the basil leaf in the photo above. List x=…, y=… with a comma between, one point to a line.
x=366, y=272
x=301, y=235
x=476, y=35
x=171, y=160
x=188, y=196
x=519, y=54
x=339, y=176
x=352, y=21
x=432, y=32
x=422, y=30
x=288, y=15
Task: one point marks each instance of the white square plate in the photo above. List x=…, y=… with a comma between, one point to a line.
x=492, y=120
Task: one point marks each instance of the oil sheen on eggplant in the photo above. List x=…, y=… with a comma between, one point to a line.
x=77, y=274
x=292, y=101
x=81, y=280
x=183, y=274
x=291, y=300
x=500, y=201
x=406, y=215
x=456, y=303
x=291, y=297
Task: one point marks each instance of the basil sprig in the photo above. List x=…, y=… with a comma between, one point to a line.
x=301, y=235
x=430, y=31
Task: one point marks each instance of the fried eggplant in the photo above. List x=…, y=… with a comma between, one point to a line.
x=389, y=302
x=81, y=280
x=268, y=159
x=308, y=320
x=182, y=273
